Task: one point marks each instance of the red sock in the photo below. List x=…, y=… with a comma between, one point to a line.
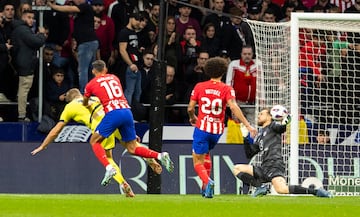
x=208, y=164
x=145, y=152
x=100, y=154
x=201, y=171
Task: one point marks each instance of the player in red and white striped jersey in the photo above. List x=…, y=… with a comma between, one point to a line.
x=108, y=89
x=212, y=97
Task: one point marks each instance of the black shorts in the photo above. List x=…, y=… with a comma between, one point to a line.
x=266, y=173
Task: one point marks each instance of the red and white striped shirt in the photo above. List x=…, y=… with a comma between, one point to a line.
x=343, y=4
x=109, y=91
x=212, y=97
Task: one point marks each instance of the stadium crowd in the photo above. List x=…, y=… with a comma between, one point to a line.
x=124, y=34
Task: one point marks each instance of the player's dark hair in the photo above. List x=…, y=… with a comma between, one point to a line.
x=215, y=67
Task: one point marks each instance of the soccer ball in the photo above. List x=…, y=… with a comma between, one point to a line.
x=278, y=112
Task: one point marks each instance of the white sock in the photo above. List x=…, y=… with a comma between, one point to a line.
x=108, y=167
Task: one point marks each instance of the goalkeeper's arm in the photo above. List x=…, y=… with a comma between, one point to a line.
x=250, y=148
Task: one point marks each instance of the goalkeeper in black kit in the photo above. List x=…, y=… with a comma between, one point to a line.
x=272, y=169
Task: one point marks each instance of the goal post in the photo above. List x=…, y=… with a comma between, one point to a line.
x=311, y=65
x=326, y=21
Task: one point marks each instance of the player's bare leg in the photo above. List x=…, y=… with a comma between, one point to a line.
x=280, y=186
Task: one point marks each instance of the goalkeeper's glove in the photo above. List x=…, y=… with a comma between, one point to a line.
x=286, y=120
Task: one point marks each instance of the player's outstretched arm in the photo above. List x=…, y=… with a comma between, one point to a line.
x=235, y=109
x=54, y=132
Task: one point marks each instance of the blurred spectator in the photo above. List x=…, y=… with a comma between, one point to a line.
x=59, y=29
x=254, y=13
x=56, y=88
x=287, y=9
x=236, y=35
x=11, y=78
x=299, y=6
x=68, y=52
x=172, y=114
x=350, y=83
x=173, y=8
x=147, y=76
x=24, y=6
x=107, y=4
x=354, y=8
x=33, y=97
x=105, y=33
x=343, y=4
x=323, y=137
x=311, y=76
x=196, y=13
x=309, y=3
x=269, y=16
x=190, y=48
x=322, y=6
x=195, y=73
x=97, y=23
x=335, y=9
x=268, y=4
x=120, y=13
x=48, y=57
x=242, y=75
x=242, y=5
x=130, y=54
x=26, y=43
x=216, y=18
x=5, y=47
x=172, y=46
x=144, y=33
x=209, y=41
x=153, y=24
x=84, y=36
x=185, y=20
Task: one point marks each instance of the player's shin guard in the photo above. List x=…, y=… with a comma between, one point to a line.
x=248, y=179
x=100, y=154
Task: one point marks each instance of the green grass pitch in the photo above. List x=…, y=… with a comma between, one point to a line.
x=108, y=205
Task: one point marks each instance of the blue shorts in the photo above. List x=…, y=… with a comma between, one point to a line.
x=121, y=119
x=203, y=141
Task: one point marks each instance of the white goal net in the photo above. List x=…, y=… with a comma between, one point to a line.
x=312, y=66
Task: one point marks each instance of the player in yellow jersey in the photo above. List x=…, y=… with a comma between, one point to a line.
x=75, y=111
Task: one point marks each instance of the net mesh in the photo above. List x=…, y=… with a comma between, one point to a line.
x=329, y=95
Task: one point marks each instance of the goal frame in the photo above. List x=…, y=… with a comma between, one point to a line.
x=294, y=81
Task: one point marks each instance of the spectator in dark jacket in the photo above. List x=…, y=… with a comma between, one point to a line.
x=55, y=95
x=25, y=43
x=4, y=59
x=236, y=35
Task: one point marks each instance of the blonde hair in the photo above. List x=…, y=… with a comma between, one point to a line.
x=72, y=94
